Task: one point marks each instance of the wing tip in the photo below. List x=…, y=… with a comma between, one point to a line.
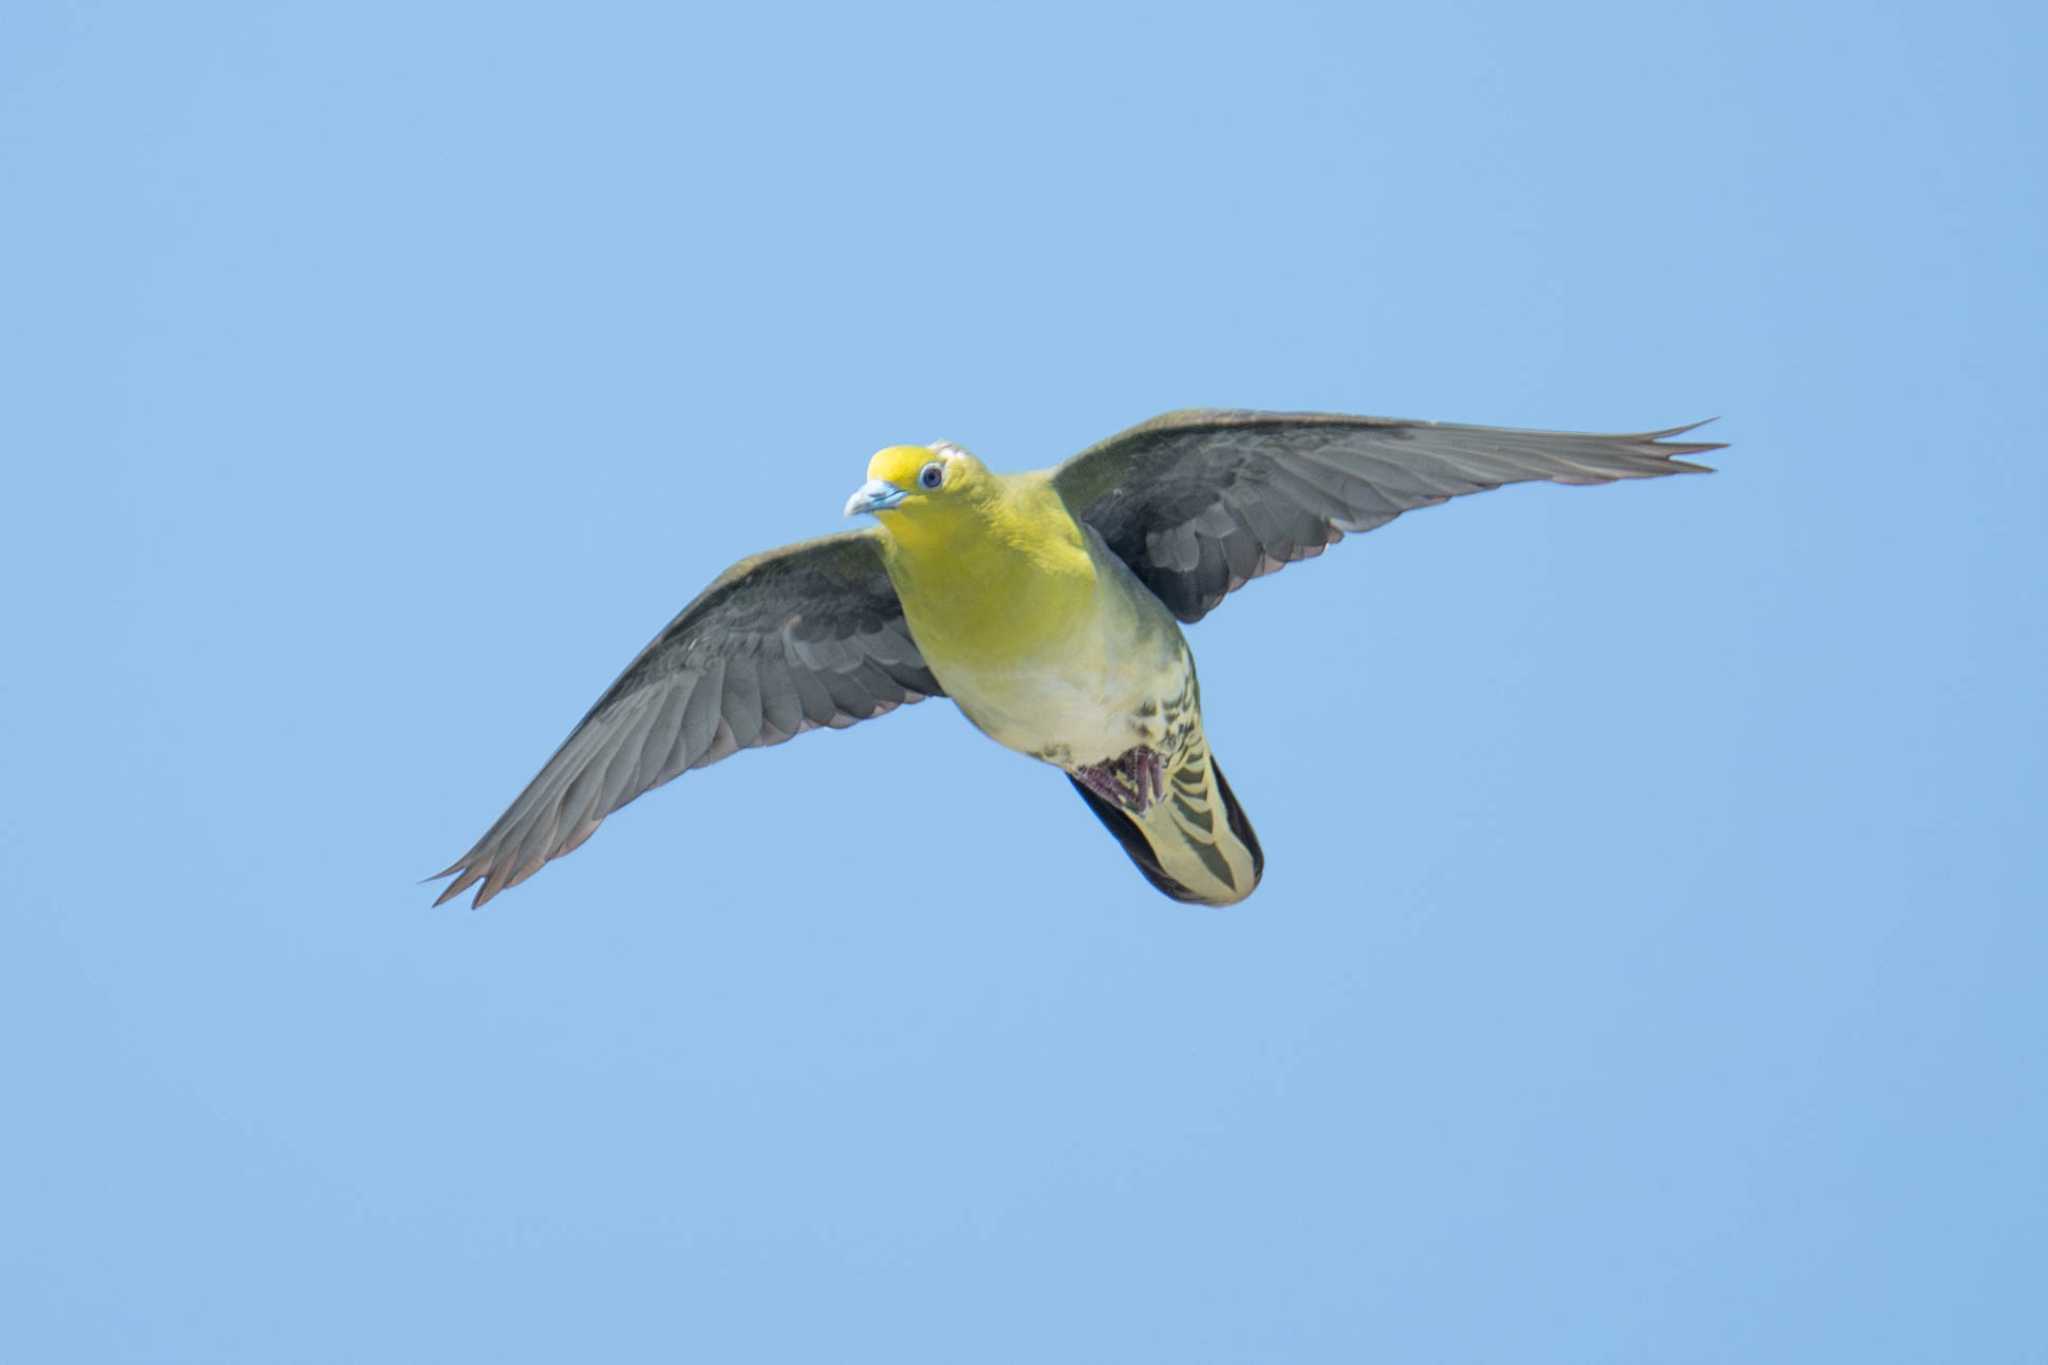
x=469, y=871
x=1659, y=445
x=455, y=888
x=1662, y=439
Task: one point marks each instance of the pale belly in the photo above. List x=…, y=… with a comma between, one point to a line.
x=1084, y=706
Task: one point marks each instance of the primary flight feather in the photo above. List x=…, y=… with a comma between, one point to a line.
x=1047, y=605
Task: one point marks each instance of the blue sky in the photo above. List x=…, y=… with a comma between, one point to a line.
x=1649, y=961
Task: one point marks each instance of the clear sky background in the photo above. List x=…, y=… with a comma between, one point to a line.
x=1650, y=961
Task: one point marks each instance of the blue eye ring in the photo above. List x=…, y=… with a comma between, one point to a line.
x=931, y=476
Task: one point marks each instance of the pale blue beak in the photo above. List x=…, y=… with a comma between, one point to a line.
x=876, y=495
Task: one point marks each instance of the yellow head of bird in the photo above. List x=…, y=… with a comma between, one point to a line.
x=909, y=479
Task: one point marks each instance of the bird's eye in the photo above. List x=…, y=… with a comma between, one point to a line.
x=932, y=475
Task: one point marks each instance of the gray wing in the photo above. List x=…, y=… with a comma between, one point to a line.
x=808, y=635
x=1198, y=503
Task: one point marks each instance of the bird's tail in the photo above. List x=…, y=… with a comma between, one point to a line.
x=1195, y=843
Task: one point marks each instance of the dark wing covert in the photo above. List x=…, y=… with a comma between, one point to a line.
x=805, y=636
x=1200, y=502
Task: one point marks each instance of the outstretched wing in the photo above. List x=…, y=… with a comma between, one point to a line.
x=1199, y=503
x=804, y=636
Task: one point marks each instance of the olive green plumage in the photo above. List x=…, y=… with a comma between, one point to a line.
x=1046, y=604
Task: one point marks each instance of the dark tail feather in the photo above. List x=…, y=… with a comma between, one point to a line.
x=1240, y=823
x=1119, y=823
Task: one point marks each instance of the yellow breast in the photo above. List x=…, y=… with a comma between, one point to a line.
x=1004, y=584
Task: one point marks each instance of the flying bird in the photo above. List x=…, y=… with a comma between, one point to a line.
x=1048, y=605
